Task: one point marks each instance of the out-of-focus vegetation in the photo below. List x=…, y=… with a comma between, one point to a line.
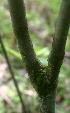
x=42, y=17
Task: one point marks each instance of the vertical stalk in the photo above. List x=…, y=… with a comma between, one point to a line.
x=47, y=103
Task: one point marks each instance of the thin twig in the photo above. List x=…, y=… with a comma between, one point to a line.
x=12, y=74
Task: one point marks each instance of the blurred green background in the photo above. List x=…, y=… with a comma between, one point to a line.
x=41, y=16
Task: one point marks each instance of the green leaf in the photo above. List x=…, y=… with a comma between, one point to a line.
x=13, y=52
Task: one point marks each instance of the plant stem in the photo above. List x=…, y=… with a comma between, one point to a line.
x=12, y=74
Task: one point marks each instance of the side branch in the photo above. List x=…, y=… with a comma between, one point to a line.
x=20, y=28
x=56, y=56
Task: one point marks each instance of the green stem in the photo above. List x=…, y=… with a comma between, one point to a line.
x=47, y=103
